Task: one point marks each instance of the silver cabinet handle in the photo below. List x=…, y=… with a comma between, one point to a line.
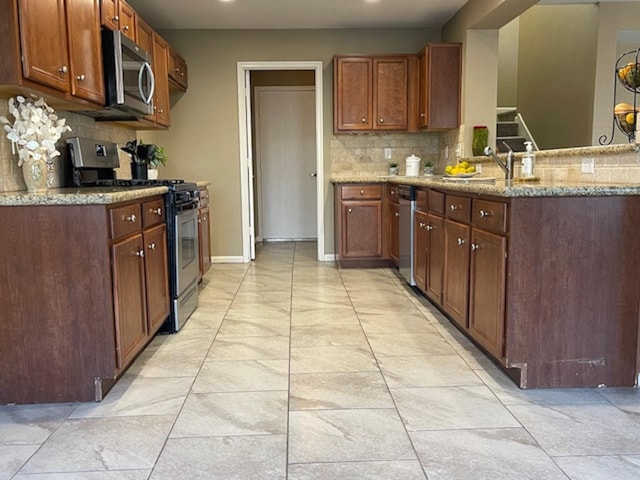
x=474, y=247
x=116, y=18
x=140, y=253
x=63, y=69
x=125, y=28
x=364, y=120
x=152, y=246
x=131, y=218
x=361, y=192
x=381, y=120
x=453, y=207
x=484, y=213
x=157, y=211
x=80, y=78
x=422, y=115
x=397, y=214
x=461, y=241
x=429, y=227
x=349, y=210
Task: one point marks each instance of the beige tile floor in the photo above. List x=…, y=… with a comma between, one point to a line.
x=293, y=369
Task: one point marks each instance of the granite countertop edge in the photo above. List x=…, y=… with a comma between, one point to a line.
x=79, y=196
x=500, y=188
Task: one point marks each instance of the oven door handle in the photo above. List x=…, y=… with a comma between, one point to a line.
x=185, y=207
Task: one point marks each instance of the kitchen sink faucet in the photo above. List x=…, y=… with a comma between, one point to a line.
x=507, y=167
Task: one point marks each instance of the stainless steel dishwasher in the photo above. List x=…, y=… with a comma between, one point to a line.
x=407, y=202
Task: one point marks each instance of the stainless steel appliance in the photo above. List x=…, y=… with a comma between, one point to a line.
x=407, y=204
x=92, y=164
x=129, y=83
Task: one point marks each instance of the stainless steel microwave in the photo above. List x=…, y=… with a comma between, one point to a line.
x=129, y=83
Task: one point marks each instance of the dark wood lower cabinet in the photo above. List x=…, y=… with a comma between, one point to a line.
x=487, y=290
x=435, y=259
x=82, y=294
x=456, y=275
x=420, y=249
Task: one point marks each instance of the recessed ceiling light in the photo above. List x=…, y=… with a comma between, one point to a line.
x=371, y=1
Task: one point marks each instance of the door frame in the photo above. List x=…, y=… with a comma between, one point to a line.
x=246, y=153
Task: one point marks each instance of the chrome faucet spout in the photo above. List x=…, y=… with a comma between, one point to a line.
x=506, y=167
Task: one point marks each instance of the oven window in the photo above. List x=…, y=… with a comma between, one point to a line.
x=188, y=240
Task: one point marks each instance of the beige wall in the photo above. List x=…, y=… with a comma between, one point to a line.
x=556, y=73
x=203, y=141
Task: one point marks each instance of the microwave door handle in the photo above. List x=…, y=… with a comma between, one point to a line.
x=152, y=89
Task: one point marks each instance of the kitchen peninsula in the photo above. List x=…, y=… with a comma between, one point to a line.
x=84, y=282
x=543, y=276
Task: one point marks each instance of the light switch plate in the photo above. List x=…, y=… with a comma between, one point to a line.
x=387, y=154
x=588, y=165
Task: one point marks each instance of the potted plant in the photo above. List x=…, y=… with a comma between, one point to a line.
x=393, y=168
x=428, y=167
x=152, y=155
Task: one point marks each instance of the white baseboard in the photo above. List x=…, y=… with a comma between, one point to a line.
x=329, y=257
x=237, y=259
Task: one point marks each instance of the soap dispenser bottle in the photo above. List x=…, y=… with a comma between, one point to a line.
x=528, y=161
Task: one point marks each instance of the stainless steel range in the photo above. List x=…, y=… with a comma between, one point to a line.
x=93, y=164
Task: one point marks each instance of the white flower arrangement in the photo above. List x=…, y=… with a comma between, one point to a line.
x=35, y=130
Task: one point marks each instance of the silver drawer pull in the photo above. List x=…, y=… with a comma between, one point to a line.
x=382, y=120
x=349, y=210
x=484, y=213
x=429, y=227
x=131, y=218
x=474, y=247
x=364, y=120
x=453, y=207
x=140, y=253
x=80, y=78
x=397, y=214
x=157, y=211
x=361, y=192
x=152, y=246
x=461, y=241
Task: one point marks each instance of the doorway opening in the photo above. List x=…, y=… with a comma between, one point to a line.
x=288, y=193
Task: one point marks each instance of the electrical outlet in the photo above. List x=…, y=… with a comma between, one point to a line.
x=387, y=154
x=588, y=165
x=458, y=150
x=478, y=168
x=446, y=152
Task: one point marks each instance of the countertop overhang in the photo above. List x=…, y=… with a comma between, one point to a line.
x=502, y=188
x=79, y=196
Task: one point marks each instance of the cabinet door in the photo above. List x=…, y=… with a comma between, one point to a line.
x=144, y=34
x=127, y=19
x=420, y=248
x=394, y=233
x=439, y=86
x=361, y=229
x=160, y=71
x=43, y=36
x=157, y=276
x=109, y=14
x=435, y=258
x=487, y=290
x=390, y=93
x=353, y=108
x=456, y=272
x=178, y=70
x=129, y=295
x=84, y=50
x=204, y=240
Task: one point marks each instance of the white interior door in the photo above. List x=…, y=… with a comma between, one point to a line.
x=286, y=162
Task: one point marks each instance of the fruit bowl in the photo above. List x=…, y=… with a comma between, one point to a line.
x=626, y=118
x=629, y=76
x=461, y=175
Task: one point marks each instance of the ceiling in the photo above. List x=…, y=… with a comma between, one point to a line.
x=286, y=14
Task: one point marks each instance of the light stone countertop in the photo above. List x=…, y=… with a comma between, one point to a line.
x=79, y=196
x=500, y=188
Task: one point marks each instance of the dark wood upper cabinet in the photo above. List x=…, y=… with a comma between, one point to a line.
x=178, y=75
x=390, y=93
x=439, y=96
x=118, y=15
x=353, y=90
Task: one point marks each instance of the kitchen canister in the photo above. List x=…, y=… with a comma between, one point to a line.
x=413, y=166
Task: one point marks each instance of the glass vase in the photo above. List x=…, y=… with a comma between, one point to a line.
x=480, y=140
x=35, y=174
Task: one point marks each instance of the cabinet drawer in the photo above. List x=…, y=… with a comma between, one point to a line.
x=489, y=215
x=152, y=213
x=125, y=221
x=458, y=208
x=422, y=200
x=367, y=192
x=436, y=202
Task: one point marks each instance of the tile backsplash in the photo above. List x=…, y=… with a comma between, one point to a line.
x=81, y=126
